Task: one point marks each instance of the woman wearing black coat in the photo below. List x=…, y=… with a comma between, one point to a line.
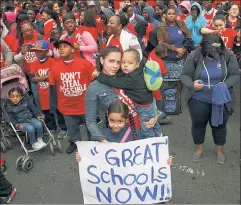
x=209, y=74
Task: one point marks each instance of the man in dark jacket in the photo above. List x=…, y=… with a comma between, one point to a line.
x=38, y=24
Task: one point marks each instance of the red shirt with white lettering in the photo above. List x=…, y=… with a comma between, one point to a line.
x=76, y=38
x=30, y=57
x=71, y=80
x=42, y=69
x=115, y=42
x=48, y=26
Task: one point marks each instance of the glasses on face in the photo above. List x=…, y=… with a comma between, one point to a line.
x=26, y=31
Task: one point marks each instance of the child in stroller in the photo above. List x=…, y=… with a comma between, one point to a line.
x=24, y=116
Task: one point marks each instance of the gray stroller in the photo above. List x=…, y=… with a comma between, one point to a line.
x=11, y=77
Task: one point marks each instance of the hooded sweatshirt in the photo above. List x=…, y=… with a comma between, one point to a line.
x=187, y=5
x=195, y=26
x=151, y=18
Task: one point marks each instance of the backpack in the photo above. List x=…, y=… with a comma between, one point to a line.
x=171, y=101
x=152, y=75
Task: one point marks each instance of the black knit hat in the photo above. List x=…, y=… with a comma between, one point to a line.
x=68, y=16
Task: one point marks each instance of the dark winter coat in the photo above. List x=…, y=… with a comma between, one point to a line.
x=22, y=112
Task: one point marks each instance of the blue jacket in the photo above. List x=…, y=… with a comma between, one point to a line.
x=151, y=18
x=195, y=26
x=22, y=112
x=220, y=97
x=98, y=97
x=117, y=137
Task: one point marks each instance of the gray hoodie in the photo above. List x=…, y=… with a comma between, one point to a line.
x=108, y=13
x=151, y=18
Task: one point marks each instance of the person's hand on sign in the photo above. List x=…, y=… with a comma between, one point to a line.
x=77, y=156
x=104, y=141
x=169, y=161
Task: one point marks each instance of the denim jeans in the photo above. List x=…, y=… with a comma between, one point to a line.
x=145, y=114
x=34, y=129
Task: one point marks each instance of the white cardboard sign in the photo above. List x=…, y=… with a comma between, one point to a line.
x=125, y=173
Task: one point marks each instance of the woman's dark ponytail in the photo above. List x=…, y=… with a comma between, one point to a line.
x=133, y=127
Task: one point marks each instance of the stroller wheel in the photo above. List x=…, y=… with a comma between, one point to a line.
x=19, y=163
x=2, y=147
x=27, y=164
x=3, y=168
x=59, y=146
x=51, y=147
x=8, y=144
x=54, y=143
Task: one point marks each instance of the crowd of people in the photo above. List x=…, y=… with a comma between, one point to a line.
x=82, y=57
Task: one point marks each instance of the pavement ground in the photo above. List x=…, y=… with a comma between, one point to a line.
x=55, y=179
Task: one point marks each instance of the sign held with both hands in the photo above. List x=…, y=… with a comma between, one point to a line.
x=125, y=173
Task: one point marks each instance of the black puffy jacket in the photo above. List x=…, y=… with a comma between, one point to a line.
x=22, y=112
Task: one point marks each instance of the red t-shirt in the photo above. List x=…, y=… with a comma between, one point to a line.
x=48, y=26
x=42, y=69
x=182, y=17
x=30, y=57
x=97, y=18
x=12, y=42
x=91, y=29
x=101, y=28
x=164, y=71
x=209, y=17
x=39, y=16
x=71, y=80
x=131, y=28
x=228, y=36
x=145, y=38
x=233, y=24
x=76, y=38
x=125, y=99
x=115, y=42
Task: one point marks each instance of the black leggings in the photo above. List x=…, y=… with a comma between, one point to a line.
x=201, y=114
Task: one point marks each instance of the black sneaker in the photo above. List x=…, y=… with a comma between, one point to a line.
x=164, y=118
x=231, y=112
x=7, y=199
x=72, y=147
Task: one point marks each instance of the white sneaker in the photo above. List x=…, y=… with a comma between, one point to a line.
x=37, y=146
x=40, y=141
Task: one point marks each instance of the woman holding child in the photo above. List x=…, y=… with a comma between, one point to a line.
x=101, y=96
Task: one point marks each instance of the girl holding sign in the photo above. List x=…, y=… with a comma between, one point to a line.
x=117, y=128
